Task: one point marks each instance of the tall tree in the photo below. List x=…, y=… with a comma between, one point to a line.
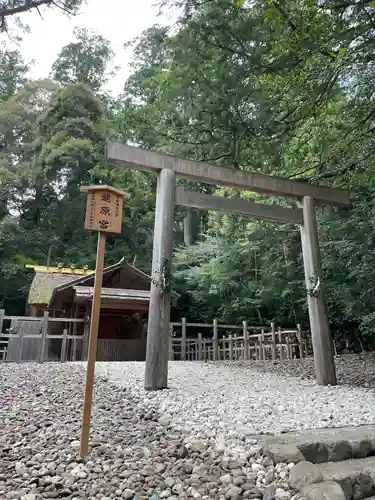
x=85, y=61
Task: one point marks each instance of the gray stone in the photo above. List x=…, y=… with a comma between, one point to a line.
x=326, y=490
x=269, y=493
x=248, y=486
x=267, y=462
x=253, y=493
x=170, y=482
x=334, y=444
x=270, y=476
x=238, y=481
x=197, y=446
x=361, y=448
x=314, y=452
x=200, y=470
x=128, y=494
x=43, y=472
x=237, y=473
x=356, y=477
x=282, y=494
x=165, y=420
x=362, y=486
x=236, y=464
x=65, y=492
x=20, y=468
x=339, y=450
x=226, y=478
x=13, y=495
x=284, y=453
x=160, y=468
x=304, y=473
x=178, y=488
x=182, y=452
x=233, y=493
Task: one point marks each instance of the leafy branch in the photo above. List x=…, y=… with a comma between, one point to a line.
x=11, y=8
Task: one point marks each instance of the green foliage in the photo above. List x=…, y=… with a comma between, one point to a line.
x=286, y=88
x=84, y=61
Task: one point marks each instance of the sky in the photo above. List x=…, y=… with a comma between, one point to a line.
x=117, y=20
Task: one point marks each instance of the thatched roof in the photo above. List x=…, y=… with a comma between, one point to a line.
x=43, y=285
x=46, y=285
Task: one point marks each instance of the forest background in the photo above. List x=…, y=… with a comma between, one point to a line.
x=282, y=87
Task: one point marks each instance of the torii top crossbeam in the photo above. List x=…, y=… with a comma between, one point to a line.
x=141, y=159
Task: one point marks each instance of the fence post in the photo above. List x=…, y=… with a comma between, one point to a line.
x=2, y=314
x=264, y=345
x=64, y=345
x=43, y=337
x=4, y=349
x=288, y=348
x=20, y=333
x=215, y=346
x=230, y=347
x=86, y=335
x=256, y=348
x=300, y=342
x=199, y=347
x=183, y=339
x=73, y=353
x=245, y=340
x=274, y=348
x=171, y=357
x=260, y=347
x=281, y=344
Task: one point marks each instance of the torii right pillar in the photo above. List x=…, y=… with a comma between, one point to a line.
x=319, y=324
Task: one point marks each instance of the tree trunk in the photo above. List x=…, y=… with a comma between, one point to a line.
x=188, y=228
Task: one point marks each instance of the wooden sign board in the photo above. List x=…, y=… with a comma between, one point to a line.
x=104, y=208
x=103, y=214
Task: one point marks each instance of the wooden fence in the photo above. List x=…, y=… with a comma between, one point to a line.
x=238, y=342
x=66, y=339
x=25, y=338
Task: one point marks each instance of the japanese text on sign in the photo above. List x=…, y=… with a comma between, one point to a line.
x=104, y=211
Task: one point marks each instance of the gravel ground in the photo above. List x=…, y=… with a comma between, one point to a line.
x=352, y=369
x=207, y=399
x=195, y=440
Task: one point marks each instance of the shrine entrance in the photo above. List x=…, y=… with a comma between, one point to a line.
x=167, y=169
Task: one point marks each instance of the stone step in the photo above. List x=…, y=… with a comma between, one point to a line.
x=352, y=479
x=321, y=445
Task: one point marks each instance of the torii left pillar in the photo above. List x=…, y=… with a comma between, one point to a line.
x=157, y=353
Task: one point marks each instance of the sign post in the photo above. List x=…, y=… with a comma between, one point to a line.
x=103, y=214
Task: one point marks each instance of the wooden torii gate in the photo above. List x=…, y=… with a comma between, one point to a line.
x=167, y=168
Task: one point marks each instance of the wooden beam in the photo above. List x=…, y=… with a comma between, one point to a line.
x=244, y=207
x=157, y=352
x=140, y=159
x=93, y=341
x=318, y=314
